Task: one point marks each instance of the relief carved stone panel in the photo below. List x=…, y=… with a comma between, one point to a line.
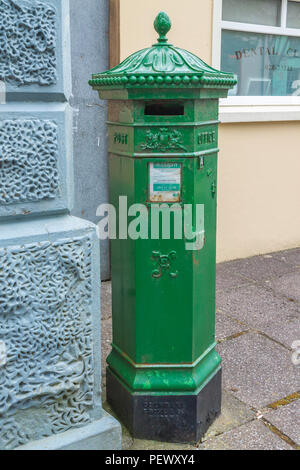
x=27, y=43
x=28, y=160
x=46, y=337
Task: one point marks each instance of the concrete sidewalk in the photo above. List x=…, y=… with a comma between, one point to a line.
x=257, y=320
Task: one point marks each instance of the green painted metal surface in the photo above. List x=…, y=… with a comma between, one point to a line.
x=164, y=109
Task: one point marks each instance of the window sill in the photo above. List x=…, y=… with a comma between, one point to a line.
x=258, y=112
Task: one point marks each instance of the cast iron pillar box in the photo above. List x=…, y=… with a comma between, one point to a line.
x=164, y=374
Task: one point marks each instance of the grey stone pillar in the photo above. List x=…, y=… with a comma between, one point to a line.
x=50, y=370
x=89, y=42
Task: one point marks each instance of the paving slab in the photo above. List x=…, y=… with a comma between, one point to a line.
x=258, y=308
x=287, y=420
x=234, y=413
x=250, y=436
x=253, y=294
x=127, y=439
x=291, y=257
x=228, y=277
x=226, y=326
x=261, y=267
x=106, y=300
x=287, y=285
x=258, y=370
x=139, y=444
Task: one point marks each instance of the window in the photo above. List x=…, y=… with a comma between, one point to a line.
x=259, y=41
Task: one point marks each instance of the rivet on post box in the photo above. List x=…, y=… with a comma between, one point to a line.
x=164, y=373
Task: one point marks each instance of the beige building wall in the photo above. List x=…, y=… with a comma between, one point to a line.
x=259, y=163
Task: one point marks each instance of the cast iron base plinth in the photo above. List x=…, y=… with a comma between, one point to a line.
x=167, y=418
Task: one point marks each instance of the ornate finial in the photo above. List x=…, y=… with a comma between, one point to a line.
x=162, y=25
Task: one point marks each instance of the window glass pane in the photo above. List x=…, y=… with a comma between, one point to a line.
x=265, y=64
x=253, y=11
x=293, y=15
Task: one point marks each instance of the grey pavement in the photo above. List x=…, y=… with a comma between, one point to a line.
x=257, y=320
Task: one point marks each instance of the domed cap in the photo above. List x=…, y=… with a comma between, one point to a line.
x=162, y=66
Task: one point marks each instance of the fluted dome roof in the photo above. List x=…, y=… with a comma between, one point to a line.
x=163, y=65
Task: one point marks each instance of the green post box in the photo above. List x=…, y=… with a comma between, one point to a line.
x=164, y=374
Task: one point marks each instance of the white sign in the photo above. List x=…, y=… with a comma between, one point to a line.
x=165, y=182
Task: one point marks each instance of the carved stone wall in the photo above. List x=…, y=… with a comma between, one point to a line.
x=27, y=43
x=46, y=331
x=28, y=161
x=50, y=365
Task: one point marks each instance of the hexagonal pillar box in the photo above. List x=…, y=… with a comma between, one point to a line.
x=164, y=374
x=50, y=371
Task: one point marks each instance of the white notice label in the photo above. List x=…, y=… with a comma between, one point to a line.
x=165, y=182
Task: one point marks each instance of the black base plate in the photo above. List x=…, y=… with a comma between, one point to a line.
x=167, y=418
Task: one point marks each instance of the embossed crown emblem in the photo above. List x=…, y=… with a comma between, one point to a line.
x=163, y=140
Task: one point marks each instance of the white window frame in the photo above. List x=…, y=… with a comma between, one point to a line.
x=253, y=108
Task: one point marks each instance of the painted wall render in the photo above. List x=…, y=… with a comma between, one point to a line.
x=259, y=164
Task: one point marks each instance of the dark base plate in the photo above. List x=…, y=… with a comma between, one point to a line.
x=167, y=418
